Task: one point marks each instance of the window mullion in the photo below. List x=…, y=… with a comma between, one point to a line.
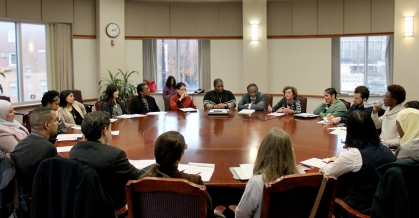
x=366, y=64
x=19, y=67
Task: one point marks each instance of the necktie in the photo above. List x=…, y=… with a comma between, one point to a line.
x=253, y=101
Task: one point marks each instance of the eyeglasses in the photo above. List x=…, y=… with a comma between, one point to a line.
x=182, y=89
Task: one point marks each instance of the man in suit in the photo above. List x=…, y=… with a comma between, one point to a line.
x=253, y=99
x=110, y=163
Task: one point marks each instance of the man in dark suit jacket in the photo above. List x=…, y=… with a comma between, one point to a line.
x=253, y=99
x=110, y=163
x=143, y=103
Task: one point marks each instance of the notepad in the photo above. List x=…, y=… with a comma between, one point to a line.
x=315, y=162
x=156, y=113
x=141, y=164
x=205, y=170
x=305, y=115
x=218, y=112
x=276, y=114
x=244, y=172
x=246, y=111
x=128, y=116
x=188, y=109
x=68, y=137
x=64, y=149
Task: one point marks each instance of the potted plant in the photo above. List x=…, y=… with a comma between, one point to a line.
x=125, y=88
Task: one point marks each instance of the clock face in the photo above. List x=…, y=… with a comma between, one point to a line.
x=112, y=30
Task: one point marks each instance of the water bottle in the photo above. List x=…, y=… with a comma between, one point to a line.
x=372, y=103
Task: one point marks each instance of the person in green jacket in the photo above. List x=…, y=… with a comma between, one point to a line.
x=331, y=105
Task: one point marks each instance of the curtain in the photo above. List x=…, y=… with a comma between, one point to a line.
x=389, y=59
x=150, y=60
x=59, y=60
x=204, y=64
x=336, y=64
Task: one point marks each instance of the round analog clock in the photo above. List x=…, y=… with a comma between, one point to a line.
x=112, y=30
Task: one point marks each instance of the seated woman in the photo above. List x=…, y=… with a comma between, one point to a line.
x=143, y=103
x=168, y=151
x=331, y=105
x=219, y=98
x=181, y=99
x=355, y=168
x=408, y=129
x=11, y=131
x=169, y=88
x=112, y=105
x=289, y=103
x=275, y=158
x=51, y=99
x=72, y=111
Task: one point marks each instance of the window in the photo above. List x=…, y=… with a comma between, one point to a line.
x=178, y=58
x=44, y=87
x=28, y=66
x=363, y=61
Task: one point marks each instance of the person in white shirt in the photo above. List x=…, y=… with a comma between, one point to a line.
x=275, y=158
x=393, y=99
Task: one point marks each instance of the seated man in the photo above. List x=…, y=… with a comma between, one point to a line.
x=35, y=148
x=331, y=105
x=253, y=99
x=110, y=163
x=393, y=99
x=181, y=98
x=361, y=95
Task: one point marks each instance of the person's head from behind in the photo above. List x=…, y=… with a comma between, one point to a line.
x=170, y=82
x=361, y=95
x=290, y=92
x=218, y=86
x=360, y=130
x=275, y=156
x=412, y=104
x=143, y=90
x=6, y=111
x=330, y=95
x=252, y=89
x=407, y=125
x=395, y=95
x=180, y=88
x=66, y=97
x=97, y=126
x=44, y=121
x=112, y=93
x=51, y=99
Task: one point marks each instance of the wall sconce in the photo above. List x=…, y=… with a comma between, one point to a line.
x=254, y=32
x=408, y=26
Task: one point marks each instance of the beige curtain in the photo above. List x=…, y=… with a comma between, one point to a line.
x=205, y=65
x=150, y=60
x=60, y=59
x=336, y=64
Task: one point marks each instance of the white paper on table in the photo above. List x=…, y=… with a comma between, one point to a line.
x=323, y=122
x=156, y=113
x=247, y=169
x=141, y=164
x=76, y=127
x=247, y=111
x=182, y=167
x=277, y=114
x=202, y=164
x=113, y=120
x=338, y=132
x=68, y=137
x=204, y=172
x=239, y=171
x=64, y=149
x=341, y=128
x=128, y=116
x=188, y=109
x=315, y=162
x=116, y=132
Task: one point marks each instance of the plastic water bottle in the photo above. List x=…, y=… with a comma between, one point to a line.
x=372, y=103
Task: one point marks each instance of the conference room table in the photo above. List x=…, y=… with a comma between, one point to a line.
x=224, y=140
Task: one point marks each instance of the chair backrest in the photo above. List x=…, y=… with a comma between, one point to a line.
x=268, y=101
x=26, y=120
x=99, y=105
x=294, y=196
x=77, y=95
x=128, y=101
x=167, y=102
x=68, y=188
x=165, y=197
x=7, y=98
x=303, y=103
x=347, y=104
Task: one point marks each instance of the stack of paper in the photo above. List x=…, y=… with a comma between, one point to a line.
x=244, y=172
x=276, y=114
x=156, y=113
x=141, y=164
x=64, y=149
x=313, y=162
x=218, y=112
x=131, y=115
x=247, y=111
x=188, y=109
x=305, y=115
x=68, y=137
x=205, y=170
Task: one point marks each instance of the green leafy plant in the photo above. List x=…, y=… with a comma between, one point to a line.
x=1, y=87
x=125, y=88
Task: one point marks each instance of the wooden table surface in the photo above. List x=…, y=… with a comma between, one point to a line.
x=226, y=141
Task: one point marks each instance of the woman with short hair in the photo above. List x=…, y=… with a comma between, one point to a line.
x=219, y=98
x=144, y=102
x=181, y=99
x=112, y=105
x=331, y=105
x=289, y=103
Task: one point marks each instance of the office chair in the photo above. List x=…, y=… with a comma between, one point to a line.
x=167, y=102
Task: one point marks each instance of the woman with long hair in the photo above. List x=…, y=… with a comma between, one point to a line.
x=112, y=105
x=168, y=151
x=11, y=131
x=71, y=110
x=169, y=88
x=355, y=168
x=275, y=158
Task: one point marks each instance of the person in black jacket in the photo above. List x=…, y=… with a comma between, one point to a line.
x=143, y=103
x=112, y=105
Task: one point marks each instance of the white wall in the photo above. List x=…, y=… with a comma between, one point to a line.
x=85, y=70
x=134, y=59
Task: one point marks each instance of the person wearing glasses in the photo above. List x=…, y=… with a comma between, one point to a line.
x=181, y=99
x=253, y=99
x=331, y=105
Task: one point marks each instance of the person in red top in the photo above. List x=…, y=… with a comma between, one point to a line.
x=181, y=99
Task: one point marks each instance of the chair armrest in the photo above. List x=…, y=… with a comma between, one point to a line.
x=346, y=209
x=232, y=207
